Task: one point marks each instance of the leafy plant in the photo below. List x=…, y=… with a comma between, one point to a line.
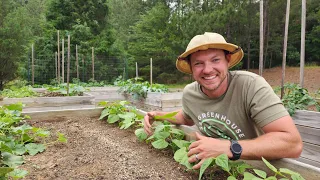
x=19, y=92
x=18, y=138
x=297, y=98
x=91, y=83
x=117, y=112
x=74, y=89
x=138, y=88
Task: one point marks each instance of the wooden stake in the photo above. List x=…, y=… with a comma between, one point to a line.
x=284, y=56
x=261, y=39
x=32, y=63
x=62, y=65
x=303, y=40
x=92, y=63
x=68, y=65
x=58, y=42
x=77, y=63
x=137, y=70
x=151, y=72
x=56, y=63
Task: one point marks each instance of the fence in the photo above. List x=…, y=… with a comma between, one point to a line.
x=106, y=68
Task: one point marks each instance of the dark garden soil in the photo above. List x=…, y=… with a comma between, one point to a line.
x=97, y=150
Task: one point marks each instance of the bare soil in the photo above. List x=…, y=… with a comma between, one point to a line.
x=292, y=75
x=97, y=150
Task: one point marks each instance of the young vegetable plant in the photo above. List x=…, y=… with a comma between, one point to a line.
x=164, y=133
x=118, y=112
x=18, y=138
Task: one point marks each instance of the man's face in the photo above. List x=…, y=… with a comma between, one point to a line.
x=210, y=69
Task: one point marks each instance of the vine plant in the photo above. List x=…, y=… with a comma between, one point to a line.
x=166, y=136
x=18, y=138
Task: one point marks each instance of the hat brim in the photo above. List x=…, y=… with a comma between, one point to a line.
x=236, y=55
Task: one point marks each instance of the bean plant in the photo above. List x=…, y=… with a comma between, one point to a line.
x=138, y=88
x=297, y=98
x=165, y=135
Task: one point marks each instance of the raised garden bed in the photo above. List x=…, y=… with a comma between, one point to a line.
x=97, y=150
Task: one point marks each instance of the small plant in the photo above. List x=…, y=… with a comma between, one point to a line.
x=74, y=89
x=138, y=88
x=19, y=92
x=117, y=112
x=297, y=98
x=18, y=138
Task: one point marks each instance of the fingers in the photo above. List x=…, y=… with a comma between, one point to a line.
x=198, y=166
x=196, y=158
x=147, y=124
x=199, y=136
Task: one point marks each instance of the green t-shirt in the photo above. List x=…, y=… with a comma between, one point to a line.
x=248, y=104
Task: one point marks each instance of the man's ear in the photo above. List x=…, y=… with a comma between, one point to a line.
x=228, y=57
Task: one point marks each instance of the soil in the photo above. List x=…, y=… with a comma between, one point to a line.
x=97, y=150
x=292, y=75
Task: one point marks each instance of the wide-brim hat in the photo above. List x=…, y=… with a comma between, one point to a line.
x=208, y=41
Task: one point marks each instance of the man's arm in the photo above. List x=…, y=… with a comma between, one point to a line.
x=281, y=140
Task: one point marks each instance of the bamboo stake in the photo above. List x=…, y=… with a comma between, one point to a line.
x=56, y=63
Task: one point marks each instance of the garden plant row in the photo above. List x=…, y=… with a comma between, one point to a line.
x=167, y=136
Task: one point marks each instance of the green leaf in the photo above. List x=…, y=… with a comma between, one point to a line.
x=5, y=170
x=222, y=161
x=176, y=131
x=204, y=166
x=181, y=156
x=249, y=176
x=33, y=148
x=5, y=148
x=61, y=138
x=18, y=173
x=260, y=173
x=15, y=107
x=297, y=177
x=104, y=113
x=160, y=144
x=11, y=160
x=166, y=116
x=181, y=143
x=231, y=178
x=141, y=135
x=270, y=166
x=161, y=135
x=271, y=178
x=113, y=118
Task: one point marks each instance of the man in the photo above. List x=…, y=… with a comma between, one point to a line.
x=237, y=112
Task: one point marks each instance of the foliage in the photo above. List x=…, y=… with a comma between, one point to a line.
x=74, y=89
x=91, y=83
x=297, y=98
x=19, y=92
x=138, y=88
x=18, y=138
x=116, y=112
x=166, y=135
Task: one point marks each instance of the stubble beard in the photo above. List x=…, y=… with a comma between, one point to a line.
x=215, y=88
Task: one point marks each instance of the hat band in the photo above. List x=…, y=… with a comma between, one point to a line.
x=236, y=50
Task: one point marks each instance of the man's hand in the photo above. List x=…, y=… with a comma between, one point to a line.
x=147, y=123
x=206, y=147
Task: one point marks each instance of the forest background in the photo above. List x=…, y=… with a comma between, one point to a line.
x=124, y=32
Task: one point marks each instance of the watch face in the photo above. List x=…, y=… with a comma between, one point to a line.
x=236, y=148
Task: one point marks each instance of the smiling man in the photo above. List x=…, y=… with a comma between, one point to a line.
x=237, y=112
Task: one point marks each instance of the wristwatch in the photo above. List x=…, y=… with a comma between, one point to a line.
x=236, y=150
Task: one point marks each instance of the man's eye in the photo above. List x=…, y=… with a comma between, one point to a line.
x=215, y=60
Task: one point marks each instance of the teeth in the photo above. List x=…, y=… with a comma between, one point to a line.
x=210, y=77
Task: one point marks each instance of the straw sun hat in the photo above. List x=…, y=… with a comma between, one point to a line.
x=206, y=41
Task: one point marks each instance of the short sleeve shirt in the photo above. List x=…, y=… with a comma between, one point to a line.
x=248, y=104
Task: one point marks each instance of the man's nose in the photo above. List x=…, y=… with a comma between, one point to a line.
x=207, y=68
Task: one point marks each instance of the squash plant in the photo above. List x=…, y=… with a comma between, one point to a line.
x=18, y=138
